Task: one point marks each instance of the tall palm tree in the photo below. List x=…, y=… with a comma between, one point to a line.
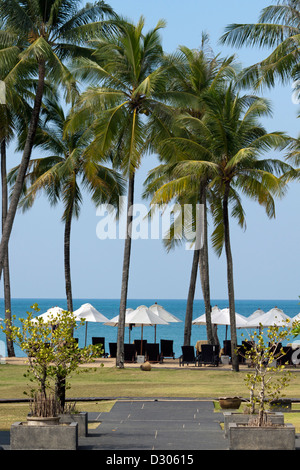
x=129, y=84
x=228, y=141
x=59, y=174
x=278, y=28
x=14, y=112
x=193, y=75
x=40, y=36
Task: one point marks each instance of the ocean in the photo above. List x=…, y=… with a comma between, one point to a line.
x=110, y=308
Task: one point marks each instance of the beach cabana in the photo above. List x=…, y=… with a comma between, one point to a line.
x=88, y=313
x=274, y=317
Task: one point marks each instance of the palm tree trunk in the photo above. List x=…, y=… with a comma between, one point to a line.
x=190, y=300
x=6, y=276
x=67, y=263
x=18, y=186
x=230, y=283
x=125, y=275
x=204, y=268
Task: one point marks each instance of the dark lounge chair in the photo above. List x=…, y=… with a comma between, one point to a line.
x=137, y=345
x=209, y=354
x=99, y=340
x=112, y=349
x=227, y=347
x=188, y=356
x=129, y=352
x=166, y=348
x=152, y=352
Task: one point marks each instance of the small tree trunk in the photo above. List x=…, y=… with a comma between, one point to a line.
x=18, y=186
x=230, y=283
x=190, y=300
x=204, y=268
x=6, y=276
x=125, y=275
x=60, y=391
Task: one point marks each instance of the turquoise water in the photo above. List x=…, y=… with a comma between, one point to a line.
x=174, y=331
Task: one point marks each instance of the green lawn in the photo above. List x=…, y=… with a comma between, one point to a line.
x=132, y=382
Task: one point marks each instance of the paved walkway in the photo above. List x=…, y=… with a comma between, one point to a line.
x=157, y=425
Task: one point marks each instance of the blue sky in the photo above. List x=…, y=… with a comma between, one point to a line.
x=266, y=256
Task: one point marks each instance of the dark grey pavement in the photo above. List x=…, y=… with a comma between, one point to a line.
x=157, y=425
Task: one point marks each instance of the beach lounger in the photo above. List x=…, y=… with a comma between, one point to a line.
x=188, y=356
x=227, y=347
x=99, y=340
x=152, y=352
x=137, y=345
x=129, y=352
x=166, y=348
x=209, y=354
x=112, y=349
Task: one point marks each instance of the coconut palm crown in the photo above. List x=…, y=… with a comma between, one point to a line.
x=277, y=28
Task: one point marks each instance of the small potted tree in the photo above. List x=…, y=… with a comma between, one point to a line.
x=261, y=429
x=53, y=354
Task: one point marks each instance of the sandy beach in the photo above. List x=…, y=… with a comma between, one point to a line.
x=111, y=362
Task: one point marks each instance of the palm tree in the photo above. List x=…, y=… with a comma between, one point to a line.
x=278, y=27
x=193, y=75
x=58, y=175
x=40, y=36
x=13, y=117
x=227, y=142
x=129, y=85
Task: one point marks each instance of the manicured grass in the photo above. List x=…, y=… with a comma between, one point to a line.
x=132, y=382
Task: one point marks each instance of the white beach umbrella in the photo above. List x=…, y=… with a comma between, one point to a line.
x=273, y=317
x=296, y=317
x=115, y=321
x=255, y=314
x=202, y=319
x=162, y=313
x=50, y=315
x=143, y=316
x=223, y=318
x=88, y=313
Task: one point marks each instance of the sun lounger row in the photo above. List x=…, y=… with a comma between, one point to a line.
x=210, y=354
x=153, y=352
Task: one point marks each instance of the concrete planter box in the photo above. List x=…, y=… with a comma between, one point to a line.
x=47, y=437
x=243, y=437
x=241, y=418
x=80, y=418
